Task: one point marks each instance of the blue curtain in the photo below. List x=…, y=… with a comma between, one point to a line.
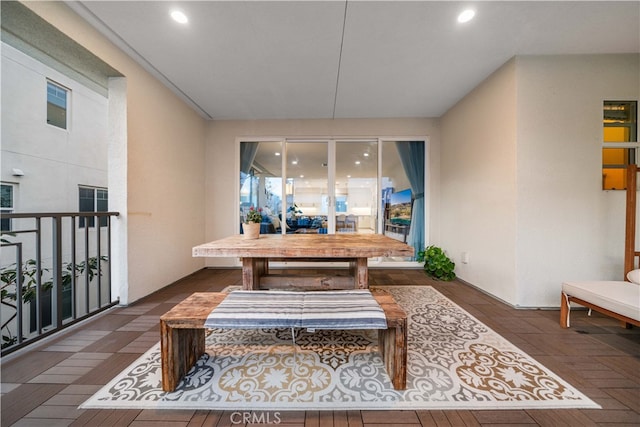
x=412, y=158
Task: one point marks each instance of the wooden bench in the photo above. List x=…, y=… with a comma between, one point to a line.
x=182, y=337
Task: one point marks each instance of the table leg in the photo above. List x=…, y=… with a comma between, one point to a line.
x=360, y=272
x=252, y=270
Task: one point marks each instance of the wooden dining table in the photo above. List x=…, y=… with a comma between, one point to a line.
x=352, y=249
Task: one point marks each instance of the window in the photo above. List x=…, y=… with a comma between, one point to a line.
x=325, y=185
x=620, y=142
x=57, y=105
x=93, y=200
x=6, y=206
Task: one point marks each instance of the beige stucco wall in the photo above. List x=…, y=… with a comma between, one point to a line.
x=521, y=178
x=161, y=170
x=568, y=227
x=222, y=157
x=478, y=184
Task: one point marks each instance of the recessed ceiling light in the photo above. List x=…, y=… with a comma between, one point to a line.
x=301, y=176
x=179, y=16
x=366, y=154
x=466, y=15
x=277, y=153
x=357, y=162
x=294, y=162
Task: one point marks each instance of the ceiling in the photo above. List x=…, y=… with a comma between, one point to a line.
x=356, y=59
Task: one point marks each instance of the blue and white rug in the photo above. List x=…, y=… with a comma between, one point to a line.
x=454, y=362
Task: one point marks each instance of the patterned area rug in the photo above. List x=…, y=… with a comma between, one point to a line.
x=455, y=362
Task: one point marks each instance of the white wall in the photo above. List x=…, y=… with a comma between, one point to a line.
x=568, y=228
x=478, y=184
x=521, y=177
x=162, y=214
x=222, y=159
x=54, y=161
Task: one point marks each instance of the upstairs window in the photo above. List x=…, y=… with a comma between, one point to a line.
x=57, y=105
x=620, y=142
x=6, y=206
x=92, y=199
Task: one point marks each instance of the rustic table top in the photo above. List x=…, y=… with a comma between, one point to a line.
x=305, y=246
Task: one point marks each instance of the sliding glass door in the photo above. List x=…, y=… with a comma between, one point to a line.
x=402, y=192
x=308, y=199
x=356, y=186
x=261, y=183
x=336, y=186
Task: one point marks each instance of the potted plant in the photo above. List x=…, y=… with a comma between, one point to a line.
x=437, y=264
x=251, y=226
x=8, y=284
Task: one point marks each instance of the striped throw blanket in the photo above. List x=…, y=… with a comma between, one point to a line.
x=353, y=309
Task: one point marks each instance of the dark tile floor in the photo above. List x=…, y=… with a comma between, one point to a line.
x=45, y=385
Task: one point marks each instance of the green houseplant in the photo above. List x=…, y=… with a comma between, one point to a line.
x=254, y=216
x=251, y=226
x=8, y=291
x=437, y=264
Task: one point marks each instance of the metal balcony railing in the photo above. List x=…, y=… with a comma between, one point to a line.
x=55, y=270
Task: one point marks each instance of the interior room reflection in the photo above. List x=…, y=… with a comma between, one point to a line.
x=299, y=189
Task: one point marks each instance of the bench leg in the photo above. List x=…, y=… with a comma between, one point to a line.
x=564, y=310
x=392, y=343
x=180, y=349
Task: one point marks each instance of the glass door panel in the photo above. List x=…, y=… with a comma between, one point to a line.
x=356, y=186
x=402, y=193
x=336, y=186
x=306, y=189
x=261, y=183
